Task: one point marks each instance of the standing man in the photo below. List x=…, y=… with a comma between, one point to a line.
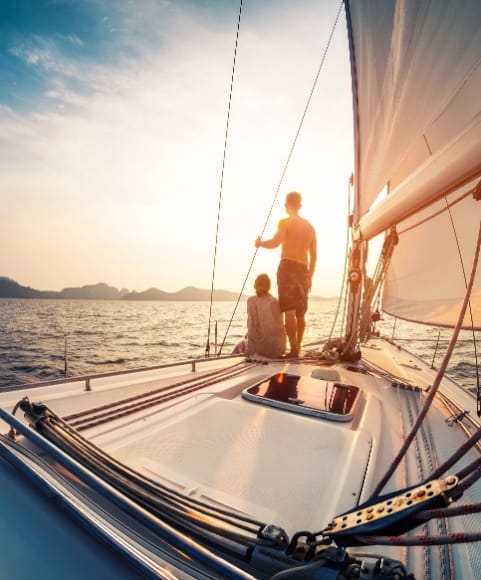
x=294, y=274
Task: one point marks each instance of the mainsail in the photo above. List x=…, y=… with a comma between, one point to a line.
x=417, y=85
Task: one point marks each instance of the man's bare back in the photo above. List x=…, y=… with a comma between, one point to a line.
x=297, y=239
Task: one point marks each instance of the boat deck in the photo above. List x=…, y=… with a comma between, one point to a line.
x=275, y=465
x=196, y=432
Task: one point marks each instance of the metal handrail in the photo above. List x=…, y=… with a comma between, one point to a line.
x=87, y=378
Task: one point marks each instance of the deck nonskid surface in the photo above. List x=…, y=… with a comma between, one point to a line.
x=280, y=469
x=291, y=470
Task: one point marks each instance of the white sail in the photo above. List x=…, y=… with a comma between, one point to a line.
x=417, y=84
x=432, y=262
x=417, y=81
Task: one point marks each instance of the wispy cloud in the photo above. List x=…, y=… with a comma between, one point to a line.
x=75, y=40
x=120, y=143
x=46, y=57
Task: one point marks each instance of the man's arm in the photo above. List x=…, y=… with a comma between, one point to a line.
x=275, y=241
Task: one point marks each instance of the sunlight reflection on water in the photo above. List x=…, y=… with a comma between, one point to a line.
x=103, y=336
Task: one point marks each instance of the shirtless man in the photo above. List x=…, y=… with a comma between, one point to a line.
x=294, y=274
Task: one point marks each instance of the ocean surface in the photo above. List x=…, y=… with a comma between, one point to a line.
x=41, y=340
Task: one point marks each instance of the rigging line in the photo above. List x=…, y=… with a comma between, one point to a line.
x=346, y=260
x=370, y=293
x=79, y=443
x=455, y=538
x=32, y=467
x=82, y=424
x=207, y=346
x=437, y=380
x=478, y=392
x=304, y=114
x=195, y=380
x=449, y=512
x=138, y=488
x=284, y=171
x=469, y=469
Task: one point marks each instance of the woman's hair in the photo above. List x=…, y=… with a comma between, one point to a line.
x=262, y=284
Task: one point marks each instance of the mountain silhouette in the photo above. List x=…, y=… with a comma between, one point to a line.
x=11, y=289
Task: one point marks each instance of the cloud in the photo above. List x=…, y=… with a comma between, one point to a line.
x=75, y=40
x=28, y=55
x=125, y=152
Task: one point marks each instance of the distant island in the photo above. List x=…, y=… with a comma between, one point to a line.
x=101, y=291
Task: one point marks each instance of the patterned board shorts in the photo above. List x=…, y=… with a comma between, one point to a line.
x=293, y=286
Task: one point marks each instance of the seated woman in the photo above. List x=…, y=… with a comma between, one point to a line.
x=265, y=331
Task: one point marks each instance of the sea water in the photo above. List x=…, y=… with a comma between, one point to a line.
x=46, y=339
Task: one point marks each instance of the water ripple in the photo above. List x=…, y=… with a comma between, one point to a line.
x=100, y=336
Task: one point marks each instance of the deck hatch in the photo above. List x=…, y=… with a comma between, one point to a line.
x=306, y=395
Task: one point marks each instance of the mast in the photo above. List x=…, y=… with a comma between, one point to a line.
x=356, y=266
x=355, y=275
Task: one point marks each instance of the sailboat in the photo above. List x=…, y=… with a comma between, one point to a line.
x=356, y=461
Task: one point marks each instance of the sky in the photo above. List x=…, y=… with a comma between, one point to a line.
x=113, y=117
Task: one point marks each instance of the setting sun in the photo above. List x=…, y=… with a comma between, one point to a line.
x=112, y=144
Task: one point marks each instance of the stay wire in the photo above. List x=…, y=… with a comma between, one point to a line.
x=284, y=171
x=207, y=346
x=346, y=260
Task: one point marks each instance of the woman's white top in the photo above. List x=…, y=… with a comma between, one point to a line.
x=265, y=331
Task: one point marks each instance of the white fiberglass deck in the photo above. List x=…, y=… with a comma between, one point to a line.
x=292, y=470
x=249, y=458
